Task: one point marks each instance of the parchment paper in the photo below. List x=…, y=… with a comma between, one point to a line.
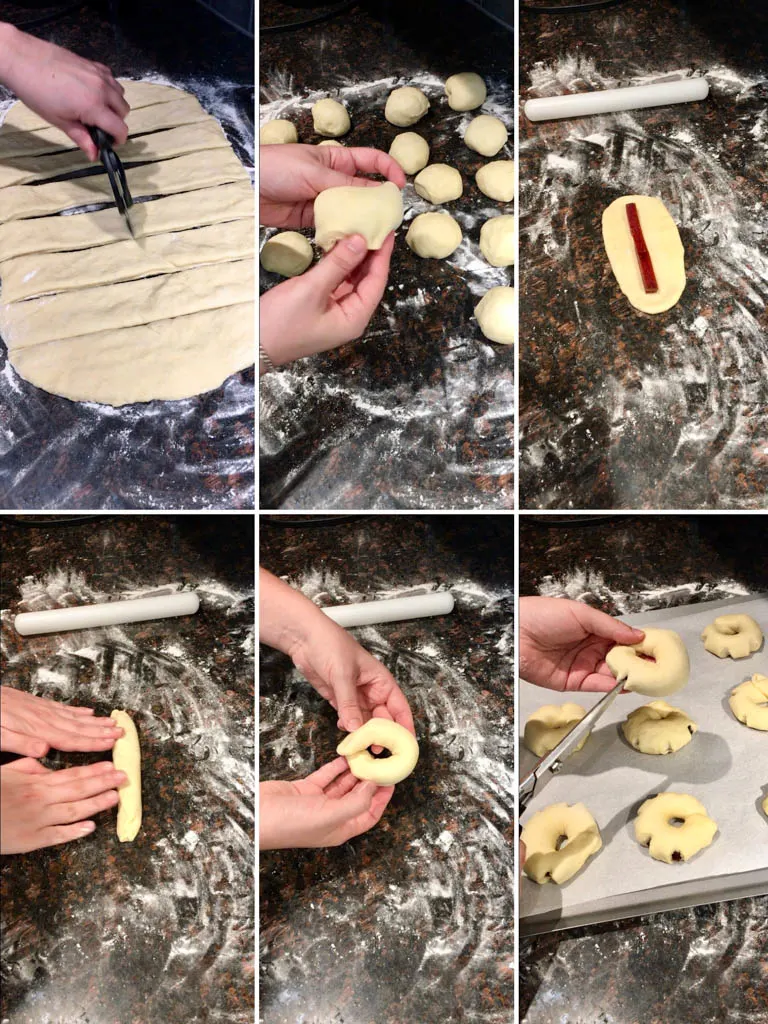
x=725, y=766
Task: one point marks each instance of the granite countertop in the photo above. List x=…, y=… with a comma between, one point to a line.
x=619, y=409
x=197, y=453
x=419, y=414
x=703, y=965
x=160, y=929
x=412, y=921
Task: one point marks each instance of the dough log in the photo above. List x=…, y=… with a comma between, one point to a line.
x=384, y=771
x=126, y=757
x=667, y=673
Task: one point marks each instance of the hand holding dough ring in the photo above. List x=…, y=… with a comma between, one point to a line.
x=666, y=674
x=546, y=860
x=749, y=702
x=658, y=728
x=384, y=771
x=732, y=636
x=668, y=842
x=547, y=726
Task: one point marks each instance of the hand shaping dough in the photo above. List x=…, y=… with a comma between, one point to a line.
x=732, y=636
x=664, y=246
x=658, y=728
x=438, y=183
x=546, y=860
x=497, y=240
x=465, y=91
x=384, y=771
x=434, y=235
x=330, y=117
x=486, y=135
x=126, y=757
x=497, y=180
x=411, y=151
x=551, y=723
x=666, y=674
x=749, y=702
x=406, y=106
x=495, y=314
x=277, y=132
x=356, y=210
x=287, y=253
x=669, y=842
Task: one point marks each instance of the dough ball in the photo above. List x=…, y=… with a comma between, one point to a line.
x=749, y=702
x=558, y=842
x=551, y=723
x=465, y=91
x=669, y=842
x=497, y=180
x=438, y=183
x=330, y=117
x=497, y=240
x=434, y=235
x=371, y=211
x=732, y=636
x=658, y=728
x=405, y=106
x=330, y=142
x=495, y=314
x=287, y=253
x=486, y=135
x=277, y=132
x=411, y=151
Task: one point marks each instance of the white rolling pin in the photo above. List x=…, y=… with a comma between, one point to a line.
x=370, y=613
x=607, y=101
x=88, y=616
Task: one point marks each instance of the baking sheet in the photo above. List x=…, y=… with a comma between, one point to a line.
x=725, y=766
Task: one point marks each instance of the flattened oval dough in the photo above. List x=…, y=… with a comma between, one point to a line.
x=352, y=210
x=126, y=757
x=666, y=251
x=385, y=771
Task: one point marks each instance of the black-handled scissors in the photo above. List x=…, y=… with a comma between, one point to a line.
x=115, y=172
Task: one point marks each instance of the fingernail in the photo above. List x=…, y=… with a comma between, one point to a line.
x=356, y=244
x=86, y=827
x=354, y=723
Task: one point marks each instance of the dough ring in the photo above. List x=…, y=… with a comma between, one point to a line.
x=732, y=636
x=384, y=771
x=658, y=728
x=547, y=726
x=765, y=806
x=658, y=678
x=558, y=842
x=669, y=842
x=749, y=702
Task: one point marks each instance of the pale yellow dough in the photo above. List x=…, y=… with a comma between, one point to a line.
x=495, y=314
x=664, y=246
x=384, y=771
x=486, y=135
x=329, y=117
x=465, y=91
x=668, y=842
x=765, y=805
x=438, y=183
x=411, y=151
x=406, y=106
x=544, y=862
x=287, y=253
x=550, y=724
x=497, y=240
x=749, y=702
x=434, y=235
x=356, y=210
x=666, y=674
x=658, y=728
x=497, y=180
x=126, y=757
x=277, y=132
x=732, y=636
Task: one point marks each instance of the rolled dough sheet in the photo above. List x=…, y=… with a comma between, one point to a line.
x=666, y=250
x=126, y=757
x=88, y=230
x=167, y=359
x=191, y=138
x=42, y=274
x=171, y=114
x=113, y=306
x=182, y=174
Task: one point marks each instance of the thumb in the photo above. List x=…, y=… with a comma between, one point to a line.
x=18, y=743
x=608, y=628
x=347, y=708
x=358, y=800
x=335, y=268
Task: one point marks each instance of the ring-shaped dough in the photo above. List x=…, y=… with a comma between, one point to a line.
x=671, y=843
x=544, y=862
x=666, y=674
x=765, y=805
x=732, y=636
x=384, y=771
x=749, y=702
x=658, y=728
x=547, y=726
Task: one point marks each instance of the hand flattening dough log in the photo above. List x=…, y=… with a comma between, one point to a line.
x=329, y=117
x=384, y=771
x=732, y=636
x=406, y=106
x=664, y=247
x=665, y=674
x=277, y=132
x=287, y=253
x=434, y=235
x=370, y=211
x=126, y=757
